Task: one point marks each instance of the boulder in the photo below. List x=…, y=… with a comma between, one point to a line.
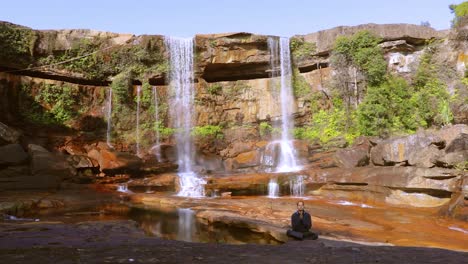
x=8, y=134
x=454, y=159
x=441, y=179
x=355, y=156
x=82, y=162
x=398, y=150
x=450, y=133
x=352, y=157
x=425, y=158
x=459, y=143
x=12, y=154
x=247, y=159
x=48, y=169
x=161, y=182
x=237, y=148
x=113, y=162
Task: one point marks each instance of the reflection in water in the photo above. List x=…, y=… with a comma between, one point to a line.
x=183, y=225
x=186, y=224
x=459, y=229
x=353, y=204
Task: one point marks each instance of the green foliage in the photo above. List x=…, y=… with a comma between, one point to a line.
x=430, y=98
x=17, y=43
x=207, y=131
x=362, y=50
x=52, y=105
x=215, y=89
x=300, y=86
x=431, y=103
x=325, y=126
x=460, y=11
x=164, y=132
x=97, y=59
x=265, y=128
x=121, y=85
x=301, y=48
x=463, y=166
x=387, y=108
x=146, y=96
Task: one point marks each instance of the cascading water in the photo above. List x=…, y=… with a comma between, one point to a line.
x=109, y=117
x=138, y=121
x=181, y=81
x=287, y=158
x=296, y=186
x=157, y=146
x=273, y=189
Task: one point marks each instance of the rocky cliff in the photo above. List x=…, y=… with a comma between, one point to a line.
x=234, y=93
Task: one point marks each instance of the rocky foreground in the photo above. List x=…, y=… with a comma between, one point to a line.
x=383, y=234
x=122, y=242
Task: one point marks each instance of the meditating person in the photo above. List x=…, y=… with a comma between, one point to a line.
x=301, y=224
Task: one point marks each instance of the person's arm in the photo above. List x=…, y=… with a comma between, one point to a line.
x=308, y=221
x=294, y=221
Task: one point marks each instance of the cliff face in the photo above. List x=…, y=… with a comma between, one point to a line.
x=232, y=71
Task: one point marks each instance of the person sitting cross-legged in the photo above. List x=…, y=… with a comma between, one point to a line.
x=301, y=224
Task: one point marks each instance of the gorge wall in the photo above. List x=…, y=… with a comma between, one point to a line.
x=235, y=105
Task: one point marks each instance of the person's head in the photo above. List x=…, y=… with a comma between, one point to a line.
x=300, y=206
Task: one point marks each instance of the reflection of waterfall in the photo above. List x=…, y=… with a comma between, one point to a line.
x=296, y=186
x=122, y=188
x=109, y=117
x=157, y=146
x=273, y=188
x=186, y=224
x=287, y=157
x=181, y=81
x=138, y=121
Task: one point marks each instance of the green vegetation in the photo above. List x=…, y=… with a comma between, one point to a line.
x=96, y=58
x=215, y=89
x=164, y=132
x=380, y=104
x=460, y=11
x=300, y=86
x=301, y=49
x=17, y=43
x=362, y=51
x=265, y=129
x=207, y=131
x=387, y=109
x=53, y=104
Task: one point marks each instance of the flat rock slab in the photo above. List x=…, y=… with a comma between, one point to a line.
x=122, y=242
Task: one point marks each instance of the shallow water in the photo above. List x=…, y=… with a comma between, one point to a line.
x=174, y=224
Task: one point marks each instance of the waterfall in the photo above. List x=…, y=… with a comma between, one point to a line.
x=273, y=188
x=138, y=121
x=181, y=109
x=157, y=145
x=287, y=157
x=296, y=186
x=109, y=117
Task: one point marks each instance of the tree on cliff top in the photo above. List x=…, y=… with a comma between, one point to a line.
x=461, y=13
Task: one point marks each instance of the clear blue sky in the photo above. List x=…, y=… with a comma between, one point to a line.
x=189, y=17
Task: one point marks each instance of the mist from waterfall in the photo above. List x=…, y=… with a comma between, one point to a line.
x=181, y=109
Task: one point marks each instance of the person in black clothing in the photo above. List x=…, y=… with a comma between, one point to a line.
x=301, y=223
